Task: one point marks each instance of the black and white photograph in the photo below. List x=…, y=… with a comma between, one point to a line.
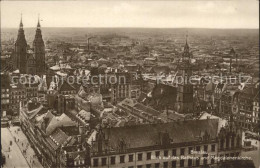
x=130, y=84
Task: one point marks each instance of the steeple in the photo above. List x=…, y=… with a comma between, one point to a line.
x=20, y=49
x=186, y=53
x=185, y=89
x=21, y=22
x=38, y=25
x=38, y=35
x=39, y=49
x=186, y=60
x=186, y=47
x=21, y=36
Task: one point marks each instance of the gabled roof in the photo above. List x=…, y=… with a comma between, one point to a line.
x=82, y=93
x=56, y=122
x=65, y=86
x=232, y=51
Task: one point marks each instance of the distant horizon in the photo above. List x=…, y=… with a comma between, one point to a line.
x=138, y=28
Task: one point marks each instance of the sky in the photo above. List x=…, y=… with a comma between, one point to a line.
x=133, y=13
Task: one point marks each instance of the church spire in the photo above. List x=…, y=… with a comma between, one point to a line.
x=38, y=25
x=21, y=21
x=20, y=49
x=186, y=47
x=39, y=49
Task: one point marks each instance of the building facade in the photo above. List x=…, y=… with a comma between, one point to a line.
x=57, y=140
x=5, y=95
x=177, y=144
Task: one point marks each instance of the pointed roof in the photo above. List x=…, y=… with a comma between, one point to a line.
x=38, y=25
x=38, y=36
x=21, y=22
x=186, y=52
x=232, y=51
x=82, y=93
x=186, y=47
x=21, y=37
x=65, y=86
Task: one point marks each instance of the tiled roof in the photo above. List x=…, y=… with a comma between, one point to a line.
x=59, y=137
x=131, y=103
x=149, y=135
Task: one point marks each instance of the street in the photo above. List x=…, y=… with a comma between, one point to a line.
x=14, y=158
x=25, y=147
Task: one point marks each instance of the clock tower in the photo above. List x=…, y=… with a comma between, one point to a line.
x=185, y=88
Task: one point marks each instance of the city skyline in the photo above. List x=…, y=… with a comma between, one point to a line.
x=147, y=14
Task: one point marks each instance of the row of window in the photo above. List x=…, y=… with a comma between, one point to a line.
x=17, y=97
x=3, y=101
x=157, y=165
x=3, y=90
x=4, y=95
x=79, y=162
x=68, y=92
x=149, y=154
x=17, y=93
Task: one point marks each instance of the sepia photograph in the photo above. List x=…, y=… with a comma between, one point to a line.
x=130, y=84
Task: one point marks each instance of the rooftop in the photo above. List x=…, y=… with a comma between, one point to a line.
x=149, y=135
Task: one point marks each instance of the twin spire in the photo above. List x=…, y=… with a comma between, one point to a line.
x=21, y=22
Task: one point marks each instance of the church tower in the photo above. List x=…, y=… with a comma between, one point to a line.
x=185, y=89
x=20, y=55
x=39, y=50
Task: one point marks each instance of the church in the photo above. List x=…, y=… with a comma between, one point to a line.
x=29, y=60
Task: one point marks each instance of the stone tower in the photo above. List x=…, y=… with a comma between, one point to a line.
x=185, y=89
x=20, y=51
x=39, y=50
